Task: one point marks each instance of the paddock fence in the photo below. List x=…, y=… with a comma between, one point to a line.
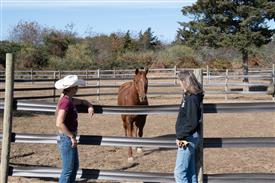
x=106, y=82
x=48, y=172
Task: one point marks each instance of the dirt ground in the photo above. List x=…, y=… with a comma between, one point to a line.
x=220, y=160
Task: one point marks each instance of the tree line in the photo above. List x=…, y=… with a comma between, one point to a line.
x=222, y=34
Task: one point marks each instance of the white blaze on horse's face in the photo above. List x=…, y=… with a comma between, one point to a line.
x=141, y=84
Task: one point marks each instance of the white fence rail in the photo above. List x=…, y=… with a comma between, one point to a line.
x=215, y=81
x=49, y=172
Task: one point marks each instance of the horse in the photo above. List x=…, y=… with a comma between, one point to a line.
x=130, y=94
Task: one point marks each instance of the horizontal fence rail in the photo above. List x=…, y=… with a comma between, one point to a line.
x=149, y=94
x=89, y=87
x=89, y=79
x=86, y=87
x=46, y=172
x=153, y=109
x=240, y=178
x=114, y=72
x=212, y=76
x=150, y=85
x=264, y=77
x=159, y=142
x=93, y=174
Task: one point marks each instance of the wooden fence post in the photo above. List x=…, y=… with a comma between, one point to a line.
x=175, y=75
x=7, y=121
x=98, y=85
x=273, y=73
x=273, y=78
x=59, y=74
x=226, y=84
x=199, y=154
x=207, y=74
x=32, y=75
x=114, y=71
x=54, y=90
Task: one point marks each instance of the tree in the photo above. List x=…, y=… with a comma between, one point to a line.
x=117, y=43
x=7, y=47
x=31, y=56
x=128, y=43
x=240, y=24
x=147, y=40
x=57, y=42
x=78, y=56
x=27, y=33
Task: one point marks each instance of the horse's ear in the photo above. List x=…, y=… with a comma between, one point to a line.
x=136, y=71
x=146, y=70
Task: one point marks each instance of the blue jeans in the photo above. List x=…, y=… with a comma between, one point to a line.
x=185, y=168
x=69, y=157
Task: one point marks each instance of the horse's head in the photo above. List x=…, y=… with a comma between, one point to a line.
x=141, y=84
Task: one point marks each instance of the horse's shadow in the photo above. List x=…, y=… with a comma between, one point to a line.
x=148, y=151
x=132, y=165
x=22, y=155
x=152, y=150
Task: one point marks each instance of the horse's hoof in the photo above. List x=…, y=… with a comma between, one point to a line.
x=130, y=160
x=139, y=150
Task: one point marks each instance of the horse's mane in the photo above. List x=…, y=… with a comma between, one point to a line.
x=125, y=86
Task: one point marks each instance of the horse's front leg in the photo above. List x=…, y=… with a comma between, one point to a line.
x=140, y=125
x=136, y=130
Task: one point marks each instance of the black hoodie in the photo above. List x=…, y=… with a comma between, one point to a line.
x=189, y=115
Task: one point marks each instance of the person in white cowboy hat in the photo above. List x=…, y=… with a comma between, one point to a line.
x=66, y=121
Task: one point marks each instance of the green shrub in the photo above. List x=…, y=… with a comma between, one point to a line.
x=78, y=56
x=31, y=57
x=219, y=63
x=181, y=56
x=136, y=59
x=188, y=62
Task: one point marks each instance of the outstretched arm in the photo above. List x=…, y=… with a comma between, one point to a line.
x=77, y=101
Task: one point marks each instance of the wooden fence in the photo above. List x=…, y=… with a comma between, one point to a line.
x=117, y=74
x=225, y=80
x=8, y=137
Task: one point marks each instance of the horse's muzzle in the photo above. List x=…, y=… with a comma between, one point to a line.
x=142, y=98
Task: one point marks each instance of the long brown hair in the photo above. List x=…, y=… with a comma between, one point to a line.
x=193, y=85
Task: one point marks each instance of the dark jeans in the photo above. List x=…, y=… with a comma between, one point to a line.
x=69, y=157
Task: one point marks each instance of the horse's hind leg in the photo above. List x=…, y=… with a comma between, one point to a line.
x=125, y=123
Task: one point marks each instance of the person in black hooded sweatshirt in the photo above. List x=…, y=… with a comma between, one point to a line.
x=187, y=126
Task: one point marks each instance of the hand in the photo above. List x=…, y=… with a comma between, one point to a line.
x=74, y=142
x=182, y=143
x=91, y=111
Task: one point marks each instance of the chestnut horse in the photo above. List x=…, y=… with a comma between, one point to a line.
x=131, y=94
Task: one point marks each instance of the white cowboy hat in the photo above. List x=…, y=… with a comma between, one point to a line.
x=69, y=81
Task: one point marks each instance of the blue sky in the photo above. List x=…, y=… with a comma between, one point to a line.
x=97, y=16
